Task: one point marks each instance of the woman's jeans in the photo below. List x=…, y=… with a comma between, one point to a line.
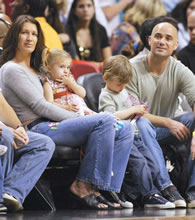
x=22, y=168
x=107, y=149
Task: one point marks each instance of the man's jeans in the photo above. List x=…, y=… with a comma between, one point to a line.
x=142, y=171
x=164, y=135
x=23, y=167
x=148, y=134
x=107, y=149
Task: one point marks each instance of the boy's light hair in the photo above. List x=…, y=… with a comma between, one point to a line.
x=117, y=67
x=51, y=56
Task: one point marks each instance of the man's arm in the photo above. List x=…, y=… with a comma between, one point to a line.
x=179, y=130
x=9, y=117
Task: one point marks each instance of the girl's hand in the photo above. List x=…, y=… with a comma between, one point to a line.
x=65, y=80
x=72, y=108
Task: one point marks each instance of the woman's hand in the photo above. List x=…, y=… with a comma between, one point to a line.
x=20, y=136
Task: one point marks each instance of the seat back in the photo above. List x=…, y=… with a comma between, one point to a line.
x=81, y=67
x=93, y=83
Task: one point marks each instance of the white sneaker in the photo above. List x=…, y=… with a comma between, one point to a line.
x=3, y=149
x=122, y=201
x=12, y=203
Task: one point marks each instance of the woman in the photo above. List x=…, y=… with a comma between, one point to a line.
x=89, y=36
x=102, y=165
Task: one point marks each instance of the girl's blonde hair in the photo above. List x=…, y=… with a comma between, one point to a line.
x=50, y=56
x=142, y=11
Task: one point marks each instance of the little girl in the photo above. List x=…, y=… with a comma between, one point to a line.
x=60, y=88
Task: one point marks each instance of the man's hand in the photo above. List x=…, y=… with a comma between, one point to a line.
x=193, y=148
x=179, y=130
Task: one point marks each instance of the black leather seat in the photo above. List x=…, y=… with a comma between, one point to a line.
x=93, y=83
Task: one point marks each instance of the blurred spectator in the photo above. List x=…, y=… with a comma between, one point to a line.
x=187, y=54
x=52, y=16
x=62, y=8
x=89, y=36
x=170, y=4
x=37, y=8
x=128, y=31
x=5, y=23
x=2, y=7
x=180, y=13
x=113, y=10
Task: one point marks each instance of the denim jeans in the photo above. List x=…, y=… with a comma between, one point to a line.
x=107, y=150
x=142, y=171
x=148, y=134
x=23, y=167
x=164, y=135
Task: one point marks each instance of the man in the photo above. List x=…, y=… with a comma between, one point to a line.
x=25, y=160
x=187, y=54
x=158, y=79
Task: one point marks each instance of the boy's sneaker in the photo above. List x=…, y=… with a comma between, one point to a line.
x=190, y=199
x=12, y=203
x=120, y=198
x=172, y=195
x=157, y=201
x=3, y=208
x=3, y=149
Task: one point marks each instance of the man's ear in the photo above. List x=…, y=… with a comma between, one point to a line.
x=26, y=8
x=149, y=40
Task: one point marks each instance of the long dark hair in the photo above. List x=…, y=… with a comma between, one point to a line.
x=179, y=12
x=73, y=25
x=10, y=42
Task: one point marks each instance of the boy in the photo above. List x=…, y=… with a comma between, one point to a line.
x=114, y=98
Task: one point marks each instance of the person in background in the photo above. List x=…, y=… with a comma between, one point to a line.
x=128, y=31
x=187, y=54
x=89, y=37
x=181, y=11
x=4, y=27
x=37, y=9
x=25, y=160
x=2, y=7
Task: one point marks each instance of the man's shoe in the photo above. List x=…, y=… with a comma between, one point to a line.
x=120, y=198
x=172, y=195
x=12, y=203
x=157, y=201
x=190, y=199
x=3, y=208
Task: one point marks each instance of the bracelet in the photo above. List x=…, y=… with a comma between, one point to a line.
x=193, y=133
x=20, y=126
